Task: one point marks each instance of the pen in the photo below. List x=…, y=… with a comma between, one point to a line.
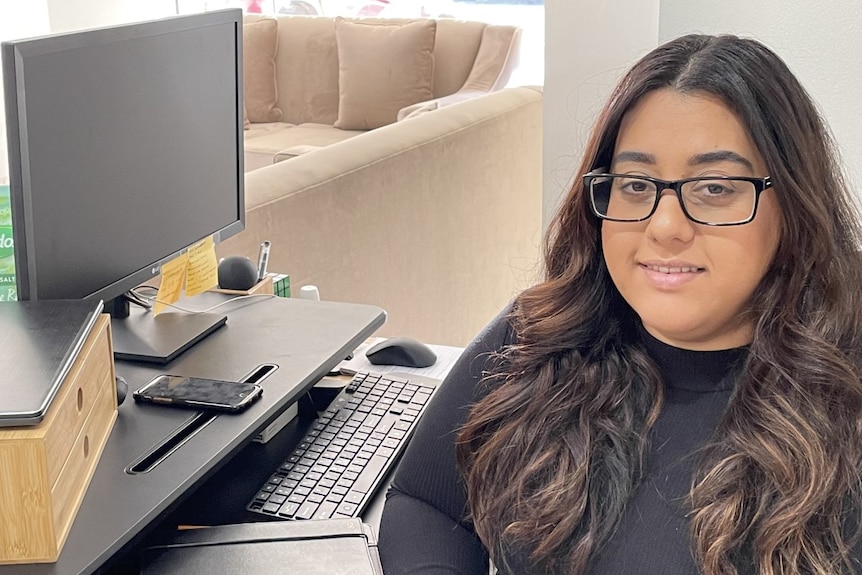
x=262, y=261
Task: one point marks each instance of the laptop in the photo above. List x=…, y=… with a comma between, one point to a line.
x=39, y=342
x=319, y=547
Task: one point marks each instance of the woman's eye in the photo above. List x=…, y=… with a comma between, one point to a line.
x=713, y=189
x=635, y=186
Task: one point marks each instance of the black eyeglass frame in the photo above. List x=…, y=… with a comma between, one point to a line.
x=760, y=184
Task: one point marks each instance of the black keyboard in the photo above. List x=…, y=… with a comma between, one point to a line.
x=345, y=456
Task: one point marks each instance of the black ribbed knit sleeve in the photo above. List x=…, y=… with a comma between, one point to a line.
x=424, y=528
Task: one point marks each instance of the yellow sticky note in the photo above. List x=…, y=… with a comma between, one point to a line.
x=173, y=274
x=203, y=267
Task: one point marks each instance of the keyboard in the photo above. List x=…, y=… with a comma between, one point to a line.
x=342, y=460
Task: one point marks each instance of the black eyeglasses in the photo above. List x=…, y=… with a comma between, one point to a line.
x=711, y=201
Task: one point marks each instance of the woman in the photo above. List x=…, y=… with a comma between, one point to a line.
x=681, y=394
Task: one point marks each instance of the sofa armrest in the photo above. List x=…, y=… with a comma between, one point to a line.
x=435, y=104
x=437, y=220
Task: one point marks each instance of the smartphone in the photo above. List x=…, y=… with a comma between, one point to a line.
x=199, y=393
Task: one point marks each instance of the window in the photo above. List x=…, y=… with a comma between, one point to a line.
x=528, y=14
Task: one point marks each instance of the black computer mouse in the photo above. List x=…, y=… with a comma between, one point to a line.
x=122, y=389
x=402, y=351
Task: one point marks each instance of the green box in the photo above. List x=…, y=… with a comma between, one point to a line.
x=280, y=284
x=8, y=287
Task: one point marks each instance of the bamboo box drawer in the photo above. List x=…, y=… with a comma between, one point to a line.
x=45, y=469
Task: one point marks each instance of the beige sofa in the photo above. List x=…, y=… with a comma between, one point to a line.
x=314, y=81
x=436, y=218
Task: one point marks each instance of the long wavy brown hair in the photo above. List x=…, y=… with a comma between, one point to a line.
x=553, y=452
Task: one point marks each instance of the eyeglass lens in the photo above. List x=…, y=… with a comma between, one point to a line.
x=713, y=201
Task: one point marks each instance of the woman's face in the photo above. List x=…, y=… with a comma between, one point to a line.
x=689, y=283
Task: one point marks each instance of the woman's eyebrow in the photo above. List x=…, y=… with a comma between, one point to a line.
x=713, y=157
x=720, y=156
x=636, y=157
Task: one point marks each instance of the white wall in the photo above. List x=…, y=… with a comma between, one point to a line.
x=17, y=20
x=588, y=45
x=68, y=15
x=820, y=41
x=23, y=19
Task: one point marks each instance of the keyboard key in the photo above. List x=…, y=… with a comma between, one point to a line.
x=347, y=508
x=384, y=426
x=271, y=507
x=315, y=498
x=278, y=499
x=325, y=510
x=370, y=473
x=288, y=509
x=306, y=510
x=354, y=497
x=372, y=420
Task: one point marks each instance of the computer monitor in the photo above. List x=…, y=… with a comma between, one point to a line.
x=125, y=148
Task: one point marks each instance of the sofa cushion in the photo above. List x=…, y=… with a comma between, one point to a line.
x=307, y=64
x=382, y=67
x=259, y=45
x=496, y=58
x=273, y=139
x=455, y=48
x=437, y=103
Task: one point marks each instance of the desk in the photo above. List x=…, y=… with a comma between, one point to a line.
x=304, y=338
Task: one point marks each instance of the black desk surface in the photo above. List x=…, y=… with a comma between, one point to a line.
x=304, y=338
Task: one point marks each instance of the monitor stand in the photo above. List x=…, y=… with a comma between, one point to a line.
x=159, y=339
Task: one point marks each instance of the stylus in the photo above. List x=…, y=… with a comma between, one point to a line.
x=262, y=261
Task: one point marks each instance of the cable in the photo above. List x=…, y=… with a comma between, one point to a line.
x=153, y=300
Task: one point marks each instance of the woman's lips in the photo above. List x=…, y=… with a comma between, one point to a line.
x=670, y=276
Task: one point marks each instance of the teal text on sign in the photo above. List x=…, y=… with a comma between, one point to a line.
x=8, y=290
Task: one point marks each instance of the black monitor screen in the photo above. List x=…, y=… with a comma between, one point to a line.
x=125, y=147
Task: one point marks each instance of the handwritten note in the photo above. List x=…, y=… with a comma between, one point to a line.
x=173, y=275
x=202, y=273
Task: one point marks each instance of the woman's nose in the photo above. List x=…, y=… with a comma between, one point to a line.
x=669, y=221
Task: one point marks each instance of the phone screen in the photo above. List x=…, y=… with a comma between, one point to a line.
x=198, y=392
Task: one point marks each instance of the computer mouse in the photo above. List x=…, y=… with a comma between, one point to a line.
x=122, y=389
x=402, y=351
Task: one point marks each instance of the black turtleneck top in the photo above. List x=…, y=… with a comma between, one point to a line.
x=424, y=531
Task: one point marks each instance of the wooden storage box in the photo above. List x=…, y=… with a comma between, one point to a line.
x=45, y=469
